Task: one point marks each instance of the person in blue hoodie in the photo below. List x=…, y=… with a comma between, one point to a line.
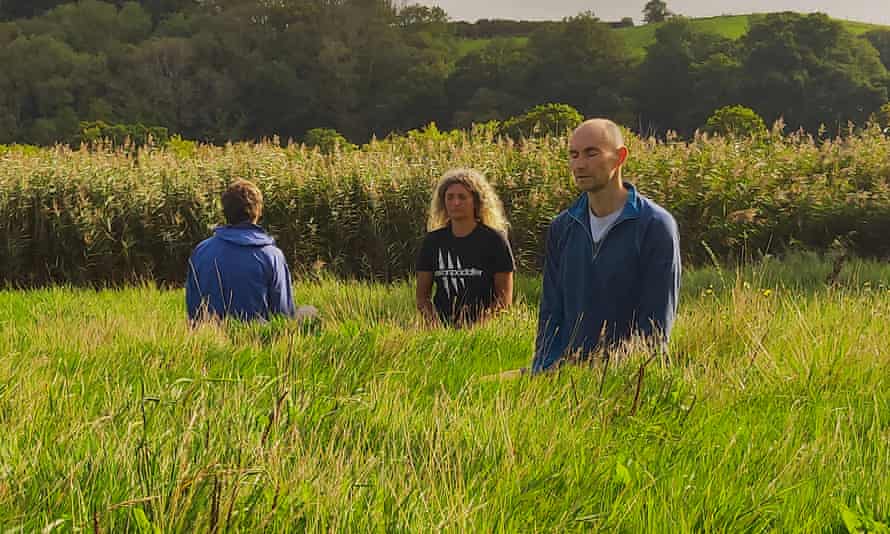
x=612, y=264
x=239, y=272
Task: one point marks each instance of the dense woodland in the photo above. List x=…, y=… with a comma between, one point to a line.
x=218, y=70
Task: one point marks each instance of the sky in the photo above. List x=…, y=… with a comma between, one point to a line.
x=875, y=11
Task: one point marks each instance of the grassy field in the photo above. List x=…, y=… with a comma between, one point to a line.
x=637, y=38
x=467, y=46
x=773, y=414
x=730, y=26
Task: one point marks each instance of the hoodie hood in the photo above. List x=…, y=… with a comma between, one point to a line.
x=245, y=235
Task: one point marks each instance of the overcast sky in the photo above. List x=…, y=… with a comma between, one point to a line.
x=877, y=11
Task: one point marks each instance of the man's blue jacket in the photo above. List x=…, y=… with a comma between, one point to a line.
x=627, y=283
x=239, y=272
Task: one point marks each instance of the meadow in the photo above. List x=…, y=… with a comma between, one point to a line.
x=772, y=413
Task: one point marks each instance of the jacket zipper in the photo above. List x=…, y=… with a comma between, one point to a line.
x=593, y=245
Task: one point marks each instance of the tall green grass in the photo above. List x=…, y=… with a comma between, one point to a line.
x=105, y=217
x=772, y=414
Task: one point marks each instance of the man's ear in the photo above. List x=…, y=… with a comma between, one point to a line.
x=622, y=156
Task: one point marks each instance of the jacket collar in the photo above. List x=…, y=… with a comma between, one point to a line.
x=632, y=207
x=245, y=234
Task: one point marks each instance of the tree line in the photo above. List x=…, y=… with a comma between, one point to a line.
x=218, y=70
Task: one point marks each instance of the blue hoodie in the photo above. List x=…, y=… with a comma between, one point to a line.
x=239, y=272
x=627, y=283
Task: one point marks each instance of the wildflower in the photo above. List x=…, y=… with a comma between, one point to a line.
x=767, y=292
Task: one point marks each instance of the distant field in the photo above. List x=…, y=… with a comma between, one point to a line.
x=733, y=27
x=639, y=37
x=466, y=46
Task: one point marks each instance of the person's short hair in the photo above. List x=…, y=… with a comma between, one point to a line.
x=242, y=202
x=612, y=130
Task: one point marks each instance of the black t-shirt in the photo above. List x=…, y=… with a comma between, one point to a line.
x=463, y=270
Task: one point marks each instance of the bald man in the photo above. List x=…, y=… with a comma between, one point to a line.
x=612, y=267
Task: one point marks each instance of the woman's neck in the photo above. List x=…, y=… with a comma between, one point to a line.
x=463, y=227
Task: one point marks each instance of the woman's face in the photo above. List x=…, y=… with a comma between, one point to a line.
x=459, y=204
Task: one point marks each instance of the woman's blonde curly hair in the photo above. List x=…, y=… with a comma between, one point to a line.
x=489, y=208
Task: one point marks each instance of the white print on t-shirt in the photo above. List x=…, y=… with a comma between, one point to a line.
x=454, y=274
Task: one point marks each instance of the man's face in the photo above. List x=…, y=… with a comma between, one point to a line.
x=593, y=159
x=459, y=203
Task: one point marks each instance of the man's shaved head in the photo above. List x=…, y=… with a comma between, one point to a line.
x=596, y=154
x=604, y=129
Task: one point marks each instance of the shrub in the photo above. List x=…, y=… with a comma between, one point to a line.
x=546, y=119
x=20, y=149
x=119, y=135
x=183, y=148
x=326, y=140
x=737, y=121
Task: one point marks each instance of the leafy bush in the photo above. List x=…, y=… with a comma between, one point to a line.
x=546, y=119
x=736, y=121
x=21, y=149
x=119, y=135
x=327, y=140
x=183, y=148
x=432, y=133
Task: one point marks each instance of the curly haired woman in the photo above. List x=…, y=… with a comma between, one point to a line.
x=466, y=253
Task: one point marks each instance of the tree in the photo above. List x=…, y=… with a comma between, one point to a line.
x=326, y=140
x=42, y=96
x=880, y=39
x=736, y=121
x=161, y=9
x=547, y=119
x=810, y=70
x=19, y=9
x=417, y=16
x=582, y=63
x=162, y=74
x=686, y=74
x=486, y=84
x=656, y=11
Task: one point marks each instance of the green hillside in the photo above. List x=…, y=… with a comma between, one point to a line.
x=731, y=26
x=639, y=37
x=466, y=46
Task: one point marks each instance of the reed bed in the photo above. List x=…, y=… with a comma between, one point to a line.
x=108, y=217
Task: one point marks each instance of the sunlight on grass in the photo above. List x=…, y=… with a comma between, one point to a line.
x=772, y=413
